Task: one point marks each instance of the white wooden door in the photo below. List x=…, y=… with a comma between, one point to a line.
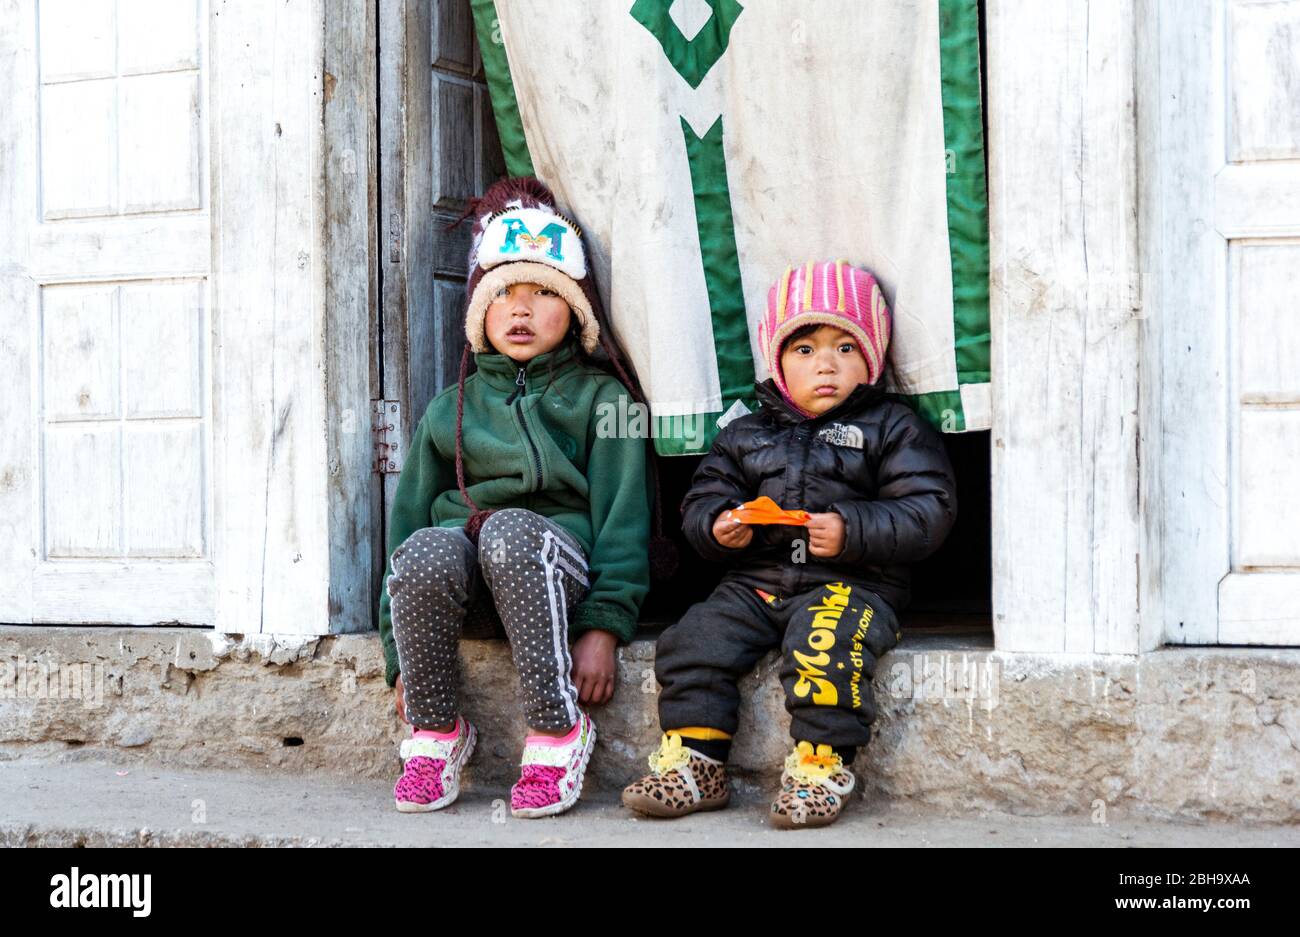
x=106, y=501
x=1226, y=254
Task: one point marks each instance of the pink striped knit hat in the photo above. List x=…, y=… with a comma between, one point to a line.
x=831, y=293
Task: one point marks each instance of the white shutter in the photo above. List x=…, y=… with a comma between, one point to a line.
x=106, y=500
x=1227, y=252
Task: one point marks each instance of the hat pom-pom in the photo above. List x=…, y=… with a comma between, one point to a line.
x=474, y=524
x=663, y=557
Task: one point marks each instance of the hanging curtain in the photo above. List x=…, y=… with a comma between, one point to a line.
x=706, y=145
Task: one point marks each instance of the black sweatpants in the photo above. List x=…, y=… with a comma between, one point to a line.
x=830, y=638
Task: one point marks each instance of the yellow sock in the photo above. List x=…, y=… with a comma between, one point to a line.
x=701, y=733
x=710, y=742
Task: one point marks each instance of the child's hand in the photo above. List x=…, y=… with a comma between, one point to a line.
x=401, y=698
x=732, y=533
x=825, y=534
x=593, y=666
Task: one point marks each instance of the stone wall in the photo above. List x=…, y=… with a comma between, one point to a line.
x=1198, y=733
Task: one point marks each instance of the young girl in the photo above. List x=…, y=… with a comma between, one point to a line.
x=509, y=486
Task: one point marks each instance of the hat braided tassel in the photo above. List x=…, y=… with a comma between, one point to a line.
x=477, y=515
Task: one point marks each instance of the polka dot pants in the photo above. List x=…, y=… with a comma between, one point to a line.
x=536, y=571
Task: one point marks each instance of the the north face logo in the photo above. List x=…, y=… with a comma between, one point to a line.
x=839, y=434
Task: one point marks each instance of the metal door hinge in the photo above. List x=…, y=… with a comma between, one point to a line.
x=386, y=430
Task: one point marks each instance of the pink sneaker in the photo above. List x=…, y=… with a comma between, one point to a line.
x=551, y=778
x=431, y=777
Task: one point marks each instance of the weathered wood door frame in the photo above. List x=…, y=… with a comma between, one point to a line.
x=437, y=147
x=1069, y=548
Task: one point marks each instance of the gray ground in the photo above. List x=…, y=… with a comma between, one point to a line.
x=93, y=803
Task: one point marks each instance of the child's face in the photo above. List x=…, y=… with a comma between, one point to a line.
x=822, y=368
x=525, y=320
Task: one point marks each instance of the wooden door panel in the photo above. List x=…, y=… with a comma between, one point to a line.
x=438, y=148
x=1228, y=172
x=109, y=497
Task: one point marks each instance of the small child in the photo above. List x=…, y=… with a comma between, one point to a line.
x=880, y=489
x=509, y=488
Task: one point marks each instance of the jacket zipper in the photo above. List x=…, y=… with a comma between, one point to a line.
x=535, y=458
x=519, y=387
x=803, y=433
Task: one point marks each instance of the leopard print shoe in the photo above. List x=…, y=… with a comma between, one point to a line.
x=815, y=786
x=681, y=781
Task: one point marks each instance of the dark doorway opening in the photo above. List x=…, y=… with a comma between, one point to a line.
x=951, y=589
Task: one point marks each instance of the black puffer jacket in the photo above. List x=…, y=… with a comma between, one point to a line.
x=873, y=460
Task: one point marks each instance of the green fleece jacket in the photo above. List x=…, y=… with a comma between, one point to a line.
x=535, y=446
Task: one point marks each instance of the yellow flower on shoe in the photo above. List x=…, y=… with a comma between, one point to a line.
x=814, y=787
x=672, y=754
x=813, y=767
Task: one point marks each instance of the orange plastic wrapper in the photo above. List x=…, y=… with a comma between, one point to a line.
x=766, y=511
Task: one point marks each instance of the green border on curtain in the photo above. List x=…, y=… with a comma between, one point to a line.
x=941, y=408
x=720, y=262
x=671, y=439
x=968, y=227
x=505, y=106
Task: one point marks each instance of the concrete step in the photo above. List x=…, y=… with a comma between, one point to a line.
x=1181, y=733
x=82, y=801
